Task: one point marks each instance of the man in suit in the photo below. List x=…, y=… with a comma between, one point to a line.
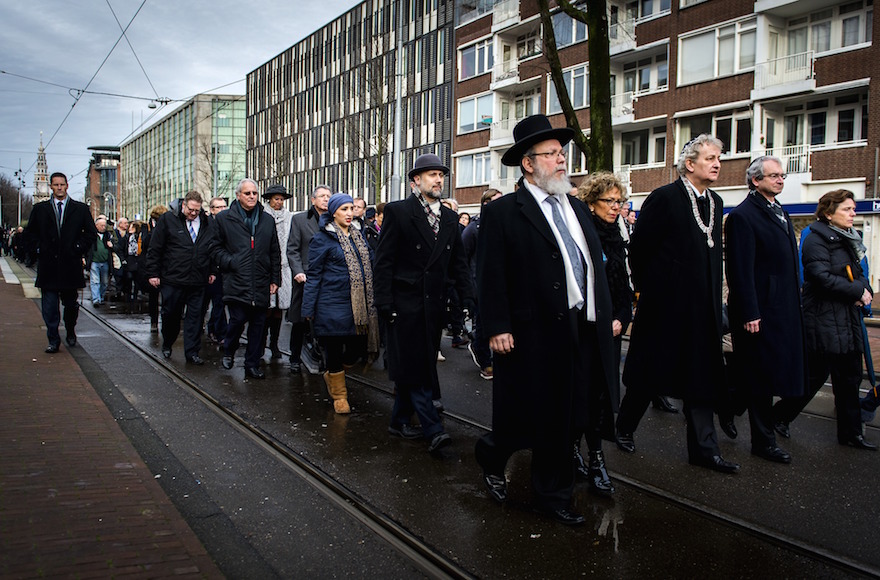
x=62, y=231
x=546, y=308
x=766, y=320
x=302, y=228
x=419, y=250
x=179, y=264
x=675, y=345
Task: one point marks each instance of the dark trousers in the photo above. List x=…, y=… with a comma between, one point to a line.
x=761, y=421
x=217, y=320
x=297, y=332
x=632, y=409
x=50, y=304
x=255, y=318
x=153, y=304
x=186, y=302
x=702, y=440
x=342, y=351
x=409, y=399
x=846, y=376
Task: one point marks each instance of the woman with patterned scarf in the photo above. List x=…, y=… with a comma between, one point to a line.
x=338, y=295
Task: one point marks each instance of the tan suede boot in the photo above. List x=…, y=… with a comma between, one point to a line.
x=336, y=387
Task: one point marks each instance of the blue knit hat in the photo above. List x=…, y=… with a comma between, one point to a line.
x=337, y=200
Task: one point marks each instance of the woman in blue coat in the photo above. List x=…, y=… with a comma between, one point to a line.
x=338, y=295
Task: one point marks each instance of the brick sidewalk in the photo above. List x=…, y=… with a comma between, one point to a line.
x=76, y=500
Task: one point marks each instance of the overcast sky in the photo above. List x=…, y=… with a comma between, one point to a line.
x=185, y=48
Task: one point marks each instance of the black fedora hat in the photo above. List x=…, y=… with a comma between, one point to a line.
x=427, y=162
x=533, y=130
x=276, y=189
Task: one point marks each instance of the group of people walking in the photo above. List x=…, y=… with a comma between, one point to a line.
x=552, y=281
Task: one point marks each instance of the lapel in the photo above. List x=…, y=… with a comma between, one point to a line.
x=529, y=208
x=759, y=200
x=420, y=220
x=448, y=221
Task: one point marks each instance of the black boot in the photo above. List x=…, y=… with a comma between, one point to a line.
x=600, y=483
x=274, y=331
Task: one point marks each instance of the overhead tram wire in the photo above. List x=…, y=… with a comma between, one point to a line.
x=132, y=48
x=83, y=91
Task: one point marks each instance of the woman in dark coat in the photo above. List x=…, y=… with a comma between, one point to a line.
x=338, y=295
x=835, y=289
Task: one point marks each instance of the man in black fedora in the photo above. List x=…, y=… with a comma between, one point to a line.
x=419, y=250
x=546, y=308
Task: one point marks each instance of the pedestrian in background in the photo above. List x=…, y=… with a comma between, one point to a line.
x=276, y=196
x=98, y=261
x=156, y=212
x=216, y=326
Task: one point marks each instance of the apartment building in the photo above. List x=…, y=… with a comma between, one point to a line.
x=102, y=186
x=199, y=145
x=789, y=78
x=322, y=111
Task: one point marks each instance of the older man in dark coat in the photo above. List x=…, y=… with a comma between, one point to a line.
x=545, y=304
x=675, y=346
x=62, y=231
x=766, y=319
x=419, y=250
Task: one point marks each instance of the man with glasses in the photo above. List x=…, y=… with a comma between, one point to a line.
x=216, y=326
x=179, y=265
x=766, y=318
x=249, y=258
x=546, y=308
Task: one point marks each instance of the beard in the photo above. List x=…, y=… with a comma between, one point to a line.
x=430, y=192
x=548, y=181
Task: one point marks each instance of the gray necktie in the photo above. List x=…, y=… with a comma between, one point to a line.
x=574, y=253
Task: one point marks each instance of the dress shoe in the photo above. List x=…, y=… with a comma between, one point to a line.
x=772, y=453
x=195, y=359
x=625, y=442
x=579, y=463
x=405, y=431
x=563, y=516
x=166, y=352
x=226, y=362
x=858, y=442
x=600, y=483
x=496, y=485
x=716, y=463
x=295, y=367
x=439, y=441
x=782, y=428
x=70, y=339
x=728, y=426
x=663, y=404
x=52, y=349
x=254, y=373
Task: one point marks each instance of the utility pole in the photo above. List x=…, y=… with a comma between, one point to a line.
x=18, y=174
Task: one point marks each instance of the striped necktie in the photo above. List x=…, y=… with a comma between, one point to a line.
x=192, y=231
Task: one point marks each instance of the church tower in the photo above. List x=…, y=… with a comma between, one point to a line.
x=41, y=175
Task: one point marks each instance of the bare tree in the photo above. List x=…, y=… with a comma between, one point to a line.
x=209, y=167
x=9, y=202
x=598, y=147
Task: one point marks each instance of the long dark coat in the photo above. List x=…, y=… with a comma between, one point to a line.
x=61, y=252
x=303, y=226
x=831, y=318
x=521, y=282
x=762, y=275
x=675, y=345
x=172, y=255
x=409, y=276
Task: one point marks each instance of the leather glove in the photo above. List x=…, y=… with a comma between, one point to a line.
x=386, y=312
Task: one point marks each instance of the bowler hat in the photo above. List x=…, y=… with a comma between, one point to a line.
x=533, y=130
x=427, y=162
x=276, y=189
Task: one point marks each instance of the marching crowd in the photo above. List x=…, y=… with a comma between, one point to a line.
x=552, y=278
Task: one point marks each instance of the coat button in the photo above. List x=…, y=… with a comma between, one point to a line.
x=560, y=316
x=448, y=246
x=557, y=285
x=555, y=255
x=418, y=246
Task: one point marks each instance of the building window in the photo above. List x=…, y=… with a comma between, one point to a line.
x=528, y=45
x=475, y=113
x=476, y=59
x=832, y=28
x=567, y=30
x=646, y=75
x=577, y=81
x=722, y=51
x=643, y=9
x=733, y=128
x=575, y=159
x=634, y=147
x=473, y=169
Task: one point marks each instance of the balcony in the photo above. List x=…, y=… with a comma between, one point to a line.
x=505, y=14
x=622, y=36
x=622, y=106
x=795, y=158
x=785, y=76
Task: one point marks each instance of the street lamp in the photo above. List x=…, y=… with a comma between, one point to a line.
x=110, y=205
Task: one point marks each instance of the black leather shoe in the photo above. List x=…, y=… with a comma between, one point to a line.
x=579, y=463
x=195, y=360
x=772, y=453
x=295, y=367
x=564, y=516
x=226, y=362
x=496, y=485
x=728, y=426
x=600, y=482
x=254, y=373
x=405, y=431
x=858, y=442
x=70, y=339
x=625, y=442
x=782, y=428
x=663, y=404
x=439, y=441
x=716, y=463
x=166, y=352
x=51, y=349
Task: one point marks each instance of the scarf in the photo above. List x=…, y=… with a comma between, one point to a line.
x=614, y=248
x=854, y=239
x=360, y=277
x=251, y=218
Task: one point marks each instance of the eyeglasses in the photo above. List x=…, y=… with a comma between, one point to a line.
x=218, y=206
x=775, y=176
x=250, y=193
x=611, y=202
x=550, y=154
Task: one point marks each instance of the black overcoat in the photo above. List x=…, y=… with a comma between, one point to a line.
x=675, y=344
x=762, y=275
x=60, y=252
x=409, y=276
x=522, y=290
x=303, y=226
x=174, y=258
